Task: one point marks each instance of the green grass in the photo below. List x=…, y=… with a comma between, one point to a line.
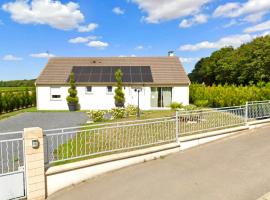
x=10, y=114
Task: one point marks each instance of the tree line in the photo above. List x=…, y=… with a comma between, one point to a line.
x=18, y=83
x=249, y=64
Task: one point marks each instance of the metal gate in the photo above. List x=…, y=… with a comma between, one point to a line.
x=12, y=166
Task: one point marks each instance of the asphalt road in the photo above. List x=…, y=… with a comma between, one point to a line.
x=44, y=120
x=235, y=168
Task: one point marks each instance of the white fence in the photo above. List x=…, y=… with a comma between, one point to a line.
x=102, y=139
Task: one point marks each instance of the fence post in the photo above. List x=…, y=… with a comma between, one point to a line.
x=34, y=162
x=177, y=132
x=246, y=114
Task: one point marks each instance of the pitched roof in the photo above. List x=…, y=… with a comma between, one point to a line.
x=165, y=70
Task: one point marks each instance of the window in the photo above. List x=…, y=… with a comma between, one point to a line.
x=89, y=89
x=55, y=93
x=109, y=89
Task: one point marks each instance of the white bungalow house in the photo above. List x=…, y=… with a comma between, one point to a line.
x=162, y=80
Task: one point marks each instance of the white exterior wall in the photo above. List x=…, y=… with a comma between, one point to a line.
x=181, y=95
x=100, y=99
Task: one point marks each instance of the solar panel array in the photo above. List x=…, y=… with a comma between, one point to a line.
x=131, y=74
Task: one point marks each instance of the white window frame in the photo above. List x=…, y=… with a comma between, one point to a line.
x=53, y=91
x=87, y=92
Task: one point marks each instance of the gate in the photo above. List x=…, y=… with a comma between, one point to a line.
x=12, y=166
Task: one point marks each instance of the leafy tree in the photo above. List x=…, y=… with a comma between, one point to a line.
x=249, y=62
x=119, y=96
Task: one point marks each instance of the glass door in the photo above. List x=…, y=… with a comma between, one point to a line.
x=161, y=97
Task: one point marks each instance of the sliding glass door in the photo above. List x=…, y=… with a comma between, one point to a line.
x=161, y=97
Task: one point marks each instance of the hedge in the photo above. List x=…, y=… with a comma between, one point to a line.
x=10, y=100
x=227, y=95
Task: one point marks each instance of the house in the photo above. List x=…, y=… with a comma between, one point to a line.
x=161, y=80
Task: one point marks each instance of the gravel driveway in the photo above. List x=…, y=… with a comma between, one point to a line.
x=44, y=120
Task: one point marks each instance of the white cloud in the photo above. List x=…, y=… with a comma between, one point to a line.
x=82, y=39
x=253, y=10
x=163, y=10
x=189, y=60
x=230, y=24
x=140, y=47
x=98, y=44
x=132, y=55
x=42, y=55
x=90, y=27
x=259, y=27
x=10, y=57
x=233, y=40
x=197, y=19
x=51, y=12
x=118, y=11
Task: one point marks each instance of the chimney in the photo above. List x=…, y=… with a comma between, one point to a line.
x=171, y=54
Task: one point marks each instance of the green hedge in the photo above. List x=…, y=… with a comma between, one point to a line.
x=227, y=95
x=10, y=100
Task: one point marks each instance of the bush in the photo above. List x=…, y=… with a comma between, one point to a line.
x=119, y=96
x=118, y=113
x=201, y=103
x=131, y=110
x=176, y=105
x=72, y=97
x=97, y=115
x=190, y=107
x=15, y=100
x=228, y=95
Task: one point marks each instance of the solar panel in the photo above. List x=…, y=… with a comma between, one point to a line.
x=106, y=74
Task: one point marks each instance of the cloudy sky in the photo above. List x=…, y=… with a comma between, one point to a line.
x=31, y=31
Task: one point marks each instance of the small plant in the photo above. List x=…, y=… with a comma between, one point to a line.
x=72, y=98
x=97, y=115
x=118, y=113
x=119, y=96
x=131, y=110
x=190, y=107
x=176, y=105
x=201, y=103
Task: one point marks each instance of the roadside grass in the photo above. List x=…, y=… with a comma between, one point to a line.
x=10, y=114
x=99, y=140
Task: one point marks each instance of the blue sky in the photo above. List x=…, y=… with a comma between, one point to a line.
x=31, y=31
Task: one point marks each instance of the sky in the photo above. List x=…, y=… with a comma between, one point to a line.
x=32, y=31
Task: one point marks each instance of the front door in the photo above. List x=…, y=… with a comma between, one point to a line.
x=161, y=97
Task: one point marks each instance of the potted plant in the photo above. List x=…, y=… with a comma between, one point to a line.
x=119, y=97
x=72, y=98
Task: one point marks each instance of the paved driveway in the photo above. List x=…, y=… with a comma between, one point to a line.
x=45, y=120
x=229, y=169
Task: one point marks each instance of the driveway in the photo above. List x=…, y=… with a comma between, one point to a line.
x=45, y=120
x=230, y=169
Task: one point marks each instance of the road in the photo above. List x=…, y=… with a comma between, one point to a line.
x=234, y=168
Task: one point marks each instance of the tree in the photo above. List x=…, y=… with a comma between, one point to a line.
x=240, y=66
x=119, y=96
x=72, y=98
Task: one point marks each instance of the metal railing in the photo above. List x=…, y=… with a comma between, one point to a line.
x=199, y=121
x=100, y=139
x=11, y=153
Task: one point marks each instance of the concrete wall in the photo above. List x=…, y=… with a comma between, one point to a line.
x=100, y=99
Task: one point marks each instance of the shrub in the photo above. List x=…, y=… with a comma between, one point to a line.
x=118, y=113
x=119, y=96
x=190, y=107
x=131, y=110
x=176, y=105
x=201, y=103
x=72, y=97
x=97, y=115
